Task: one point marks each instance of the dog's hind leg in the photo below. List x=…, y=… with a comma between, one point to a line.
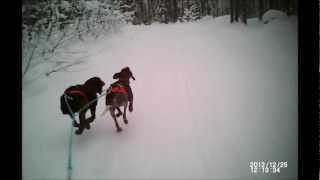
x=81, y=125
x=112, y=112
x=75, y=123
x=85, y=122
x=119, y=112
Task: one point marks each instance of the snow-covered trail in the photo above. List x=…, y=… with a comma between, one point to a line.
x=209, y=97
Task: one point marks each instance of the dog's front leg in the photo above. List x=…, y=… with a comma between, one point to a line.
x=93, y=114
x=125, y=120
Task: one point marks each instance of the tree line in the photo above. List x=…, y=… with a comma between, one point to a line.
x=241, y=9
x=166, y=11
x=47, y=25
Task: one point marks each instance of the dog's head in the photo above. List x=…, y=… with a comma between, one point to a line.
x=95, y=84
x=127, y=71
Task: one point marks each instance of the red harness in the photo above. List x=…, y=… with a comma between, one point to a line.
x=78, y=92
x=119, y=89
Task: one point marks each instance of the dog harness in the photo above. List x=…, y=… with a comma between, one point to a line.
x=79, y=93
x=119, y=89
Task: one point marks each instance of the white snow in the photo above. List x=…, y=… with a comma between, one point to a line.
x=274, y=14
x=209, y=98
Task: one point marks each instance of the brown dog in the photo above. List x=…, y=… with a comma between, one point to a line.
x=117, y=96
x=77, y=97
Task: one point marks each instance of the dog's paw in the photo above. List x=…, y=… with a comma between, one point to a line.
x=87, y=126
x=75, y=124
x=119, y=129
x=79, y=131
x=119, y=114
x=90, y=120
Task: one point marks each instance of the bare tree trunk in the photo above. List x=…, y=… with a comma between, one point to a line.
x=167, y=14
x=207, y=11
x=231, y=11
x=260, y=9
x=58, y=43
x=78, y=29
x=30, y=58
x=244, y=11
x=202, y=8
x=175, y=10
x=294, y=7
x=272, y=4
x=211, y=8
x=237, y=11
x=147, y=6
x=287, y=7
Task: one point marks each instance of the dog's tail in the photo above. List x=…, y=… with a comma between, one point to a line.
x=105, y=111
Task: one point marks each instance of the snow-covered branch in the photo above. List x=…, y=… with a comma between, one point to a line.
x=49, y=26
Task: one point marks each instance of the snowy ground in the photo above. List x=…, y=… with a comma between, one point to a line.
x=210, y=97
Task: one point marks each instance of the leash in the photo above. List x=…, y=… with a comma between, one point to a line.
x=92, y=101
x=73, y=117
x=70, y=154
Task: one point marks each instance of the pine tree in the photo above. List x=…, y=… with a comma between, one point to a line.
x=195, y=9
x=192, y=11
x=163, y=12
x=127, y=9
x=244, y=11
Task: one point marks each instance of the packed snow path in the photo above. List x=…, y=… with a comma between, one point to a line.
x=209, y=97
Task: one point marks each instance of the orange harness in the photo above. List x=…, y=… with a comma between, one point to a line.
x=118, y=89
x=78, y=92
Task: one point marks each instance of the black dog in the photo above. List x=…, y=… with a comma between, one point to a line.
x=77, y=97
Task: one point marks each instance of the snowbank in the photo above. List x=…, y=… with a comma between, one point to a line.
x=222, y=19
x=274, y=15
